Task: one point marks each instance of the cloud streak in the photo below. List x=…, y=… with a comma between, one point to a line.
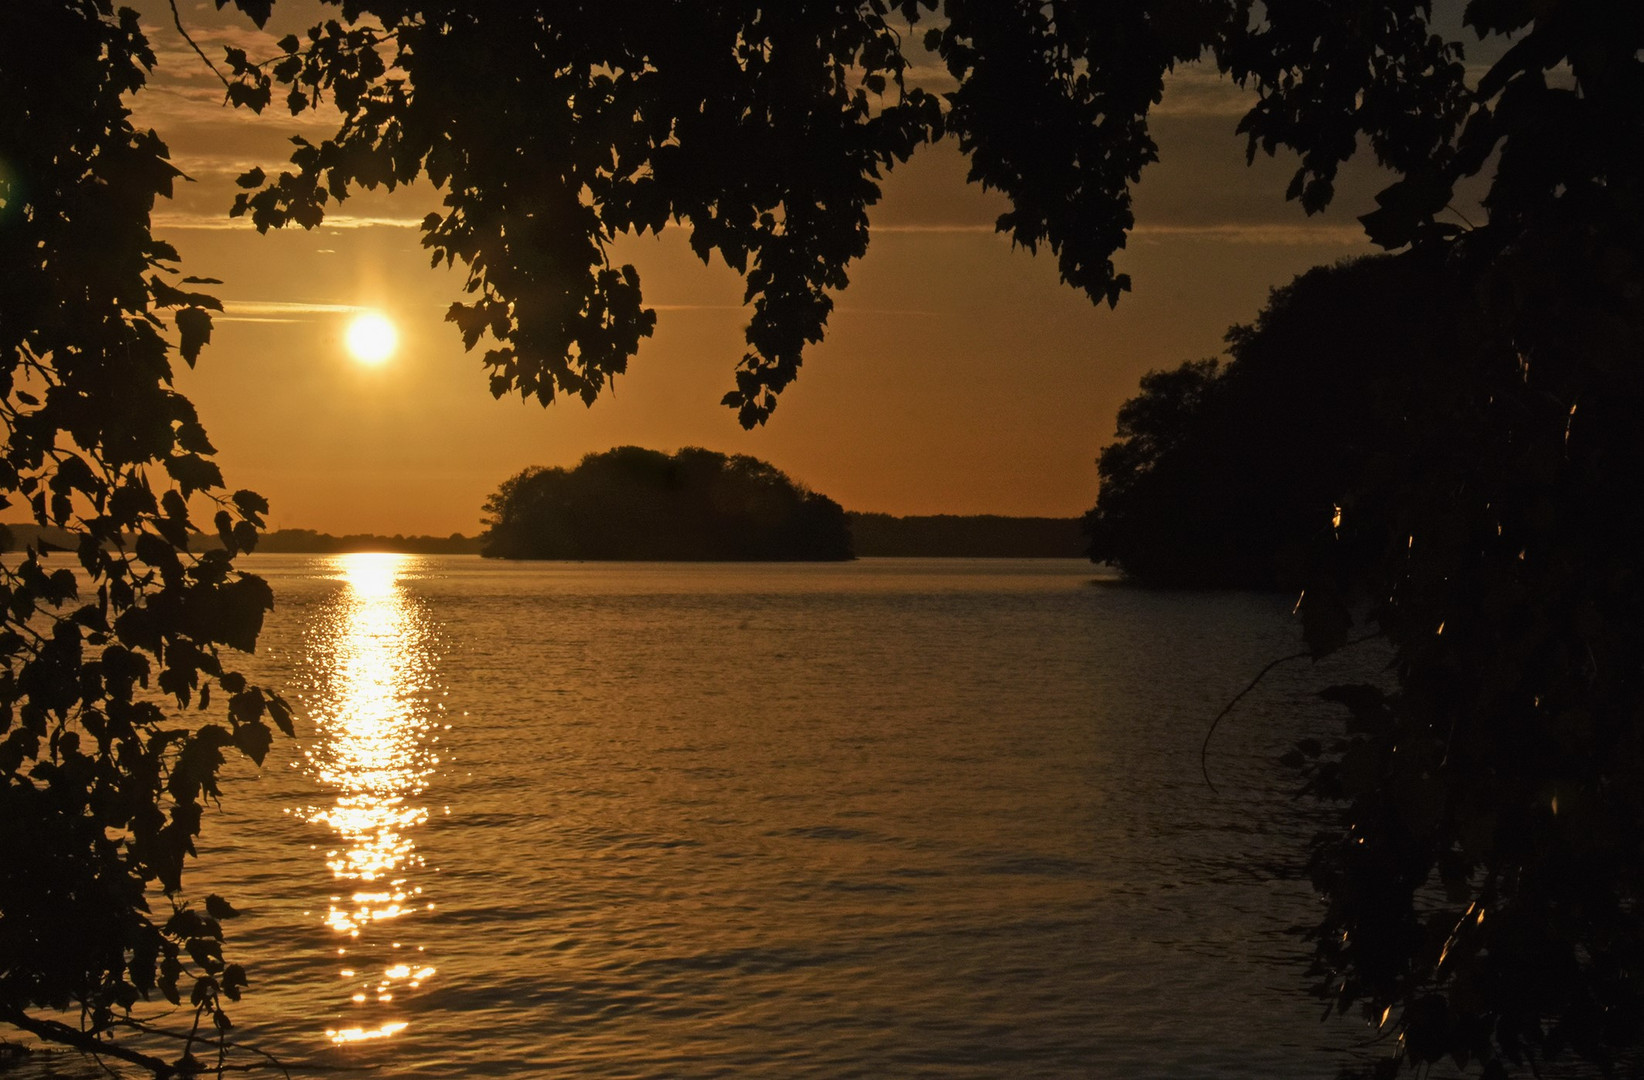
x=281, y=311
x=1272, y=233
x=934, y=227
x=217, y=222
x=1260, y=233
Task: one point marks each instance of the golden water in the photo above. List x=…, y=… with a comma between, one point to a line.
x=896, y=818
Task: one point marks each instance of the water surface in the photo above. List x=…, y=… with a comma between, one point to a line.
x=894, y=818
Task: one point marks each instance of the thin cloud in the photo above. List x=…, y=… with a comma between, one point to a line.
x=196, y=221
x=843, y=309
x=1201, y=90
x=173, y=52
x=281, y=311
x=895, y=312
x=1276, y=234
x=1224, y=232
x=297, y=311
x=936, y=227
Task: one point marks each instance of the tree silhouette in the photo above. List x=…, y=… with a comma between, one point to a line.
x=632, y=503
x=1223, y=474
x=1155, y=518
x=1483, y=884
x=104, y=766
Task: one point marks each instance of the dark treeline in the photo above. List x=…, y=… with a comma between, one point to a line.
x=307, y=541
x=17, y=536
x=967, y=536
x=1227, y=474
x=633, y=503
x=930, y=536
x=20, y=535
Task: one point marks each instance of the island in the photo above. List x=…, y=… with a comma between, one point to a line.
x=631, y=503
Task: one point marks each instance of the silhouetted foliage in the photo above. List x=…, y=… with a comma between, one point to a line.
x=1225, y=475
x=966, y=536
x=552, y=130
x=764, y=130
x=110, y=654
x=1483, y=881
x=632, y=503
x=1512, y=587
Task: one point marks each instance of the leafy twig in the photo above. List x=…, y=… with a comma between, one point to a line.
x=178, y=20
x=56, y=1031
x=221, y=1042
x=1204, y=750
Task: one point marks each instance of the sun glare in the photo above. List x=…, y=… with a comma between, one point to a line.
x=372, y=338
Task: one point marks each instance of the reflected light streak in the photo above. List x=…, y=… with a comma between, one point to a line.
x=358, y=1034
x=373, y=673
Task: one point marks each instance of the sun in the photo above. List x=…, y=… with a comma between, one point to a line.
x=372, y=338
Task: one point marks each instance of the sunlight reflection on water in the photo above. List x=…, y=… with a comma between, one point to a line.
x=372, y=664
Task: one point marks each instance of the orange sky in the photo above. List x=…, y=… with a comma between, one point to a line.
x=958, y=376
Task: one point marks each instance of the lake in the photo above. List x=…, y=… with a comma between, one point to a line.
x=889, y=818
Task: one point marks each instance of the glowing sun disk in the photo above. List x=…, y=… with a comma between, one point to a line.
x=372, y=338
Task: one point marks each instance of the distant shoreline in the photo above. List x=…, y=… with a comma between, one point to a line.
x=967, y=536
x=874, y=536
x=280, y=542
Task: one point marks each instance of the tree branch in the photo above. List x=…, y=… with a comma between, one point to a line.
x=178, y=20
x=1204, y=750
x=58, y=1032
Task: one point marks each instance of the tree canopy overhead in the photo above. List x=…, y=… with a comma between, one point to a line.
x=763, y=131
x=1484, y=882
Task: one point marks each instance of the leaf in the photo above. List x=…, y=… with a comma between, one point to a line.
x=157, y=553
x=253, y=741
x=249, y=503
x=193, y=473
x=137, y=629
x=246, y=707
x=245, y=536
x=174, y=506
x=257, y=11
x=73, y=472
x=218, y=908
x=1404, y=207
x=195, y=770
x=225, y=530
x=191, y=436
x=194, y=332
x=253, y=96
x=239, y=615
x=170, y=970
x=281, y=713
